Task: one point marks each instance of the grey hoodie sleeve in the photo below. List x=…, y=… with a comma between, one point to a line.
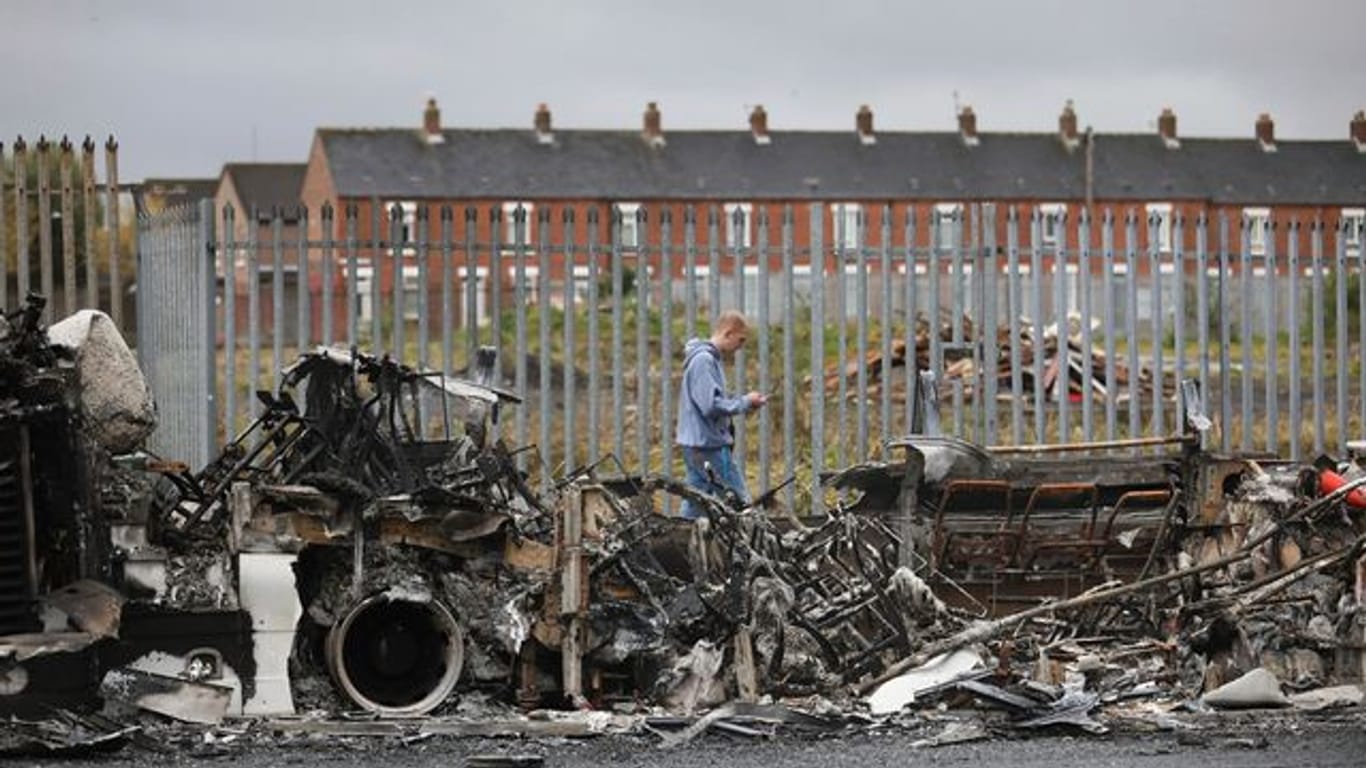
x=704, y=388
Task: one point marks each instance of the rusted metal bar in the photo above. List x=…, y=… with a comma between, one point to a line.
x=68, y=230
x=92, y=281
x=112, y=227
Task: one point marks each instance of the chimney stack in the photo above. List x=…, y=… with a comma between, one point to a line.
x=1067, y=127
x=653, y=126
x=967, y=126
x=1358, y=128
x=1166, y=128
x=863, y=121
x=542, y=122
x=431, y=123
x=1266, y=132
x=758, y=125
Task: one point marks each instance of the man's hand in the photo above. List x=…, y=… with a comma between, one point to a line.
x=757, y=400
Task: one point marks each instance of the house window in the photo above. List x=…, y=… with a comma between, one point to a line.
x=630, y=230
x=1051, y=222
x=1257, y=220
x=845, y=220
x=946, y=218
x=530, y=281
x=407, y=224
x=738, y=217
x=480, y=286
x=365, y=276
x=801, y=283
x=582, y=283
x=1162, y=212
x=750, y=274
x=1353, y=219
x=412, y=287
x=510, y=223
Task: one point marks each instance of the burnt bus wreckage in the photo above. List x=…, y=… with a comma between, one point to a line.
x=369, y=542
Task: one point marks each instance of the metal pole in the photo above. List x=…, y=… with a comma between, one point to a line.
x=92, y=277
x=569, y=237
x=885, y=276
x=1109, y=322
x=1245, y=332
x=618, y=342
x=594, y=348
x=666, y=344
x=208, y=415
x=352, y=275
x=112, y=226
x=328, y=229
x=861, y=333
x=789, y=359
x=253, y=312
x=277, y=293
x=45, y=227
x=1316, y=323
x=643, y=412
x=229, y=261
x=1159, y=335
x=1088, y=373
x=447, y=290
x=765, y=344
x=544, y=321
x=1014, y=289
x=1036, y=309
x=815, y=211
x=912, y=324
x=21, y=278
x=1292, y=256
x=1273, y=343
x=1225, y=337
x=1131, y=322
x=991, y=355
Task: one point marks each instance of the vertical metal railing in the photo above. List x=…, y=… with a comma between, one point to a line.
x=1093, y=324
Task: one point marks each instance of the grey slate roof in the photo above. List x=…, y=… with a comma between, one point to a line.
x=267, y=185
x=830, y=165
x=173, y=192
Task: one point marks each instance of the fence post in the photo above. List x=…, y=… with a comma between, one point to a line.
x=208, y=348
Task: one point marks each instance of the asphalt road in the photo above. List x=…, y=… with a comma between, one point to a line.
x=1251, y=740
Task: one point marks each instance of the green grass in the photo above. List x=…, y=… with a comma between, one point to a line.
x=841, y=445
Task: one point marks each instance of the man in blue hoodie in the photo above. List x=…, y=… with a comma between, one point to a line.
x=705, y=409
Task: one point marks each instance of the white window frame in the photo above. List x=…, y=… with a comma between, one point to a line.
x=852, y=213
x=630, y=233
x=1257, y=235
x=481, y=306
x=411, y=276
x=1050, y=215
x=745, y=237
x=944, y=214
x=365, y=276
x=407, y=228
x=582, y=276
x=1354, y=219
x=1164, y=225
x=510, y=223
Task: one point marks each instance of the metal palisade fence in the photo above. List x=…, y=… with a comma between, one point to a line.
x=60, y=227
x=1038, y=328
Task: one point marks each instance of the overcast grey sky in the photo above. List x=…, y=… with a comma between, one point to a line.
x=189, y=85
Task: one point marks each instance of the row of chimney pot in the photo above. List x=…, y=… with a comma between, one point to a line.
x=653, y=132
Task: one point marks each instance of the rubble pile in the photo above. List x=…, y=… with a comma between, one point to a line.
x=371, y=543
x=1063, y=363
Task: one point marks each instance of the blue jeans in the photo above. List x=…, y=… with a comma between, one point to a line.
x=724, y=475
